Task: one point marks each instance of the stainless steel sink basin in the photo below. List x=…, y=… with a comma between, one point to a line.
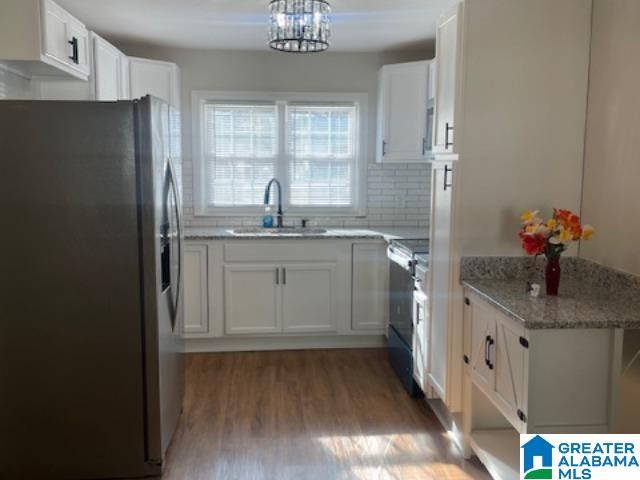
x=277, y=232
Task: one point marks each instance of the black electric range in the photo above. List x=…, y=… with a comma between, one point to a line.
x=408, y=261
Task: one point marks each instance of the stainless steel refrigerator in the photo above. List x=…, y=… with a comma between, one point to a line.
x=91, y=364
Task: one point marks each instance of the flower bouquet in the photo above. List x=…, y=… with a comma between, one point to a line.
x=551, y=238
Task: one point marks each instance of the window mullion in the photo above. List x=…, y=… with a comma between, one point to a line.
x=282, y=157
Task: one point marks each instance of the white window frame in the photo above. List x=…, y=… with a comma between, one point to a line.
x=201, y=97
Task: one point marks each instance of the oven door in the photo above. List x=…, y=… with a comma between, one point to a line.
x=401, y=302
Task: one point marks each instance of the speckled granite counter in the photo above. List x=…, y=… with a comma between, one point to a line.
x=382, y=233
x=591, y=296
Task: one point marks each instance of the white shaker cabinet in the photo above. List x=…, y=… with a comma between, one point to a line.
x=308, y=293
x=370, y=291
x=402, y=113
x=111, y=69
x=439, y=278
x=252, y=299
x=154, y=77
x=196, y=316
x=280, y=298
x=448, y=58
x=40, y=38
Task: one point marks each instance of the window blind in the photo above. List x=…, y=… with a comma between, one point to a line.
x=321, y=142
x=241, y=148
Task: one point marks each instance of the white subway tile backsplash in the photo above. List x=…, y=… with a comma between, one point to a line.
x=397, y=195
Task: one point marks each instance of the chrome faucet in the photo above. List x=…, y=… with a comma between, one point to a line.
x=267, y=191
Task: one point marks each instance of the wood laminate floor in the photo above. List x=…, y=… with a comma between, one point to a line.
x=324, y=414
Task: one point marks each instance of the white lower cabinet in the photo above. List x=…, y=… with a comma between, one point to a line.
x=275, y=298
x=308, y=292
x=250, y=292
x=496, y=358
x=196, y=317
x=252, y=299
x=369, y=286
x=531, y=381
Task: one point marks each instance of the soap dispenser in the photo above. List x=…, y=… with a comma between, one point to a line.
x=267, y=220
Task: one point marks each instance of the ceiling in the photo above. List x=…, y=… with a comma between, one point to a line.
x=357, y=25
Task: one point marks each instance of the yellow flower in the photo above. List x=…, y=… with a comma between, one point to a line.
x=530, y=216
x=566, y=236
x=587, y=232
x=562, y=237
x=552, y=224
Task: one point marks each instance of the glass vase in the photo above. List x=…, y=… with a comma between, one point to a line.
x=552, y=276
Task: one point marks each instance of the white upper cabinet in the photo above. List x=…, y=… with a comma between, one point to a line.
x=111, y=70
x=402, y=113
x=40, y=38
x=153, y=77
x=448, y=54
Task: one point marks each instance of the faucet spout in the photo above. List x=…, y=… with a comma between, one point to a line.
x=267, y=192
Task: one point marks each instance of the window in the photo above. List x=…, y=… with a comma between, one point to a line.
x=312, y=143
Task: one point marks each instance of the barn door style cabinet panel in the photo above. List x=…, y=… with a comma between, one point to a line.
x=528, y=381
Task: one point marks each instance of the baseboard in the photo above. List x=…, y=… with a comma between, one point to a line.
x=249, y=344
x=452, y=422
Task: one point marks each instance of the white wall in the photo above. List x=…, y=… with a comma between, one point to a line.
x=524, y=97
x=393, y=202
x=14, y=86
x=611, y=200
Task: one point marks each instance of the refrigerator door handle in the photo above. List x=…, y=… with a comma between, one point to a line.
x=173, y=191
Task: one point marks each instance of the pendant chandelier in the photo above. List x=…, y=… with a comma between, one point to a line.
x=299, y=26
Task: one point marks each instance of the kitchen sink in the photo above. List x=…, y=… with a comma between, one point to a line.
x=284, y=231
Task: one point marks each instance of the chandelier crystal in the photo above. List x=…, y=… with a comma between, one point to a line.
x=299, y=26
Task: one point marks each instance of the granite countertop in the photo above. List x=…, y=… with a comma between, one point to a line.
x=591, y=296
x=383, y=233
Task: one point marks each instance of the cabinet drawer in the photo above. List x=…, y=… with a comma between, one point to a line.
x=284, y=251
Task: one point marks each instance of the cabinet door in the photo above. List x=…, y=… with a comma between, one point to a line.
x=509, y=368
x=445, y=97
x=440, y=256
x=483, y=360
x=369, y=287
x=124, y=90
x=107, y=71
x=196, y=317
x=308, y=297
x=252, y=299
x=152, y=77
x=55, y=42
x=78, y=33
x=403, y=117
